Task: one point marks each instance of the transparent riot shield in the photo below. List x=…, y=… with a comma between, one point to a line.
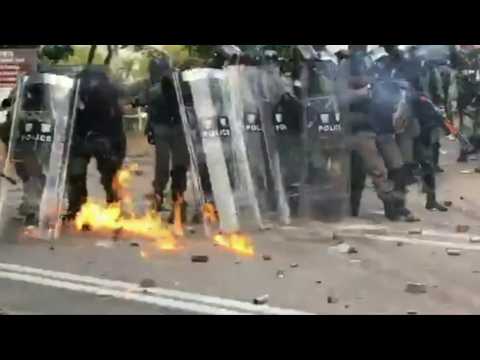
x=218, y=158
x=325, y=183
x=38, y=153
x=254, y=96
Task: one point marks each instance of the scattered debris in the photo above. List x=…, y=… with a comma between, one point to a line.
x=332, y=300
x=454, y=252
x=147, y=283
x=104, y=244
x=200, y=259
x=415, y=232
x=280, y=274
x=416, y=288
x=346, y=249
x=463, y=228
x=294, y=265
x=261, y=300
x=134, y=244
x=266, y=257
x=447, y=203
x=475, y=239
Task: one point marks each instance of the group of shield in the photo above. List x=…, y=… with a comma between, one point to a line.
x=259, y=154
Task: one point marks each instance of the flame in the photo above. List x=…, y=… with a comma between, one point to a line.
x=121, y=218
x=239, y=243
x=210, y=214
x=177, y=217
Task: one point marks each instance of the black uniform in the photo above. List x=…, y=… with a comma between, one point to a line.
x=355, y=104
x=98, y=133
x=165, y=131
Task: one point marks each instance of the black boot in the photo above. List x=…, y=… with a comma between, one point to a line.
x=463, y=158
x=183, y=209
x=391, y=210
x=433, y=205
x=355, y=200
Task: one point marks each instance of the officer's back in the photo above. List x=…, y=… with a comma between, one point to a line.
x=99, y=108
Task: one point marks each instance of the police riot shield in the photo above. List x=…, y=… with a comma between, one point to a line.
x=324, y=189
x=218, y=158
x=34, y=175
x=254, y=95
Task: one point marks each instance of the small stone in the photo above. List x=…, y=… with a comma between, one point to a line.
x=52, y=248
x=138, y=172
x=416, y=288
x=261, y=300
x=280, y=274
x=415, y=232
x=294, y=266
x=200, y=259
x=134, y=244
x=86, y=228
x=475, y=239
x=454, y=252
x=191, y=230
x=347, y=306
x=319, y=282
x=476, y=271
x=399, y=244
x=147, y=283
x=447, y=203
x=266, y=257
x=477, y=170
x=462, y=198
x=346, y=249
x=238, y=262
x=332, y=300
x=412, y=312
x=463, y=228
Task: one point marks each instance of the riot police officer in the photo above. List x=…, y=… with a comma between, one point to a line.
x=352, y=87
x=99, y=134
x=419, y=141
x=165, y=132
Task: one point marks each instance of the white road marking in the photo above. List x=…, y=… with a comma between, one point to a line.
x=122, y=295
x=414, y=241
x=132, y=288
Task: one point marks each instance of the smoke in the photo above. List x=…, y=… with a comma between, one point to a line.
x=433, y=52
